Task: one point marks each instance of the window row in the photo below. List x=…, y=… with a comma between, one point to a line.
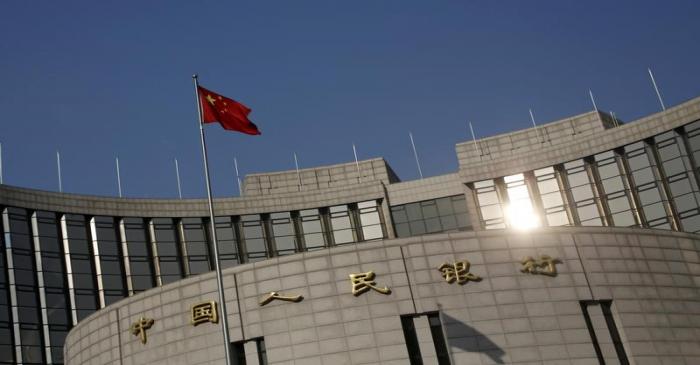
x=651, y=183
x=431, y=216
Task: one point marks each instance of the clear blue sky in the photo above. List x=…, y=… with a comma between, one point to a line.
x=97, y=79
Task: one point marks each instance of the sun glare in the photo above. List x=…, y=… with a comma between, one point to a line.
x=522, y=216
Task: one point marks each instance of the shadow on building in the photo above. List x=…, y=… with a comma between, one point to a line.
x=468, y=339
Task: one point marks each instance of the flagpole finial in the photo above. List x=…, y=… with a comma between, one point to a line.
x=194, y=76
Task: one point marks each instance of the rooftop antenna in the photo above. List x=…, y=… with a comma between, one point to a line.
x=415, y=154
x=476, y=147
x=595, y=107
x=238, y=179
x=357, y=163
x=296, y=164
x=177, y=175
x=58, y=164
x=532, y=118
x=119, y=178
x=656, y=88
x=612, y=114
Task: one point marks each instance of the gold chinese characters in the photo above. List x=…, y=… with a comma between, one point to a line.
x=459, y=271
x=275, y=295
x=544, y=266
x=204, y=312
x=363, y=282
x=139, y=328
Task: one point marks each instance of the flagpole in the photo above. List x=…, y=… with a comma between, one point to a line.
x=58, y=165
x=119, y=178
x=658, y=94
x=415, y=154
x=357, y=164
x=595, y=107
x=219, y=276
x=238, y=179
x=177, y=174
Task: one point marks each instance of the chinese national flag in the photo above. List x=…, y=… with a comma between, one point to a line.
x=232, y=115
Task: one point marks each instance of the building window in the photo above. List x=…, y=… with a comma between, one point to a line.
x=551, y=197
x=370, y=220
x=489, y=204
x=341, y=225
x=140, y=256
x=430, y=216
x=229, y=246
x=254, y=237
x=26, y=288
x=680, y=179
x=82, y=264
x=194, y=234
x=584, y=199
x=238, y=353
x=520, y=211
x=283, y=233
x=411, y=338
x=615, y=192
x=167, y=250
x=646, y=186
x=6, y=340
x=312, y=229
x=110, y=259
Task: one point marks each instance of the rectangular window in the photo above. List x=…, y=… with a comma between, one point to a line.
x=238, y=354
x=167, y=250
x=82, y=264
x=520, y=211
x=140, y=256
x=229, y=247
x=312, y=229
x=370, y=220
x=283, y=233
x=490, y=206
x=411, y=338
x=646, y=186
x=680, y=179
x=254, y=237
x=615, y=192
x=111, y=264
x=341, y=224
x=551, y=197
x=195, y=237
x=443, y=355
x=585, y=201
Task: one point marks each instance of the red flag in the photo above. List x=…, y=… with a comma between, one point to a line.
x=232, y=115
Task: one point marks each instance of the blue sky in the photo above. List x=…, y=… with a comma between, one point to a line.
x=96, y=80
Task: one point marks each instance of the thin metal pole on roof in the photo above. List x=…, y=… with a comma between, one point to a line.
x=296, y=164
x=595, y=107
x=357, y=163
x=119, y=178
x=656, y=88
x=177, y=175
x=0, y=163
x=415, y=154
x=58, y=164
x=476, y=148
x=532, y=118
x=215, y=243
x=238, y=179
x=612, y=114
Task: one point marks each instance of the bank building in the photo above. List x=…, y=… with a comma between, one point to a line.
x=575, y=242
